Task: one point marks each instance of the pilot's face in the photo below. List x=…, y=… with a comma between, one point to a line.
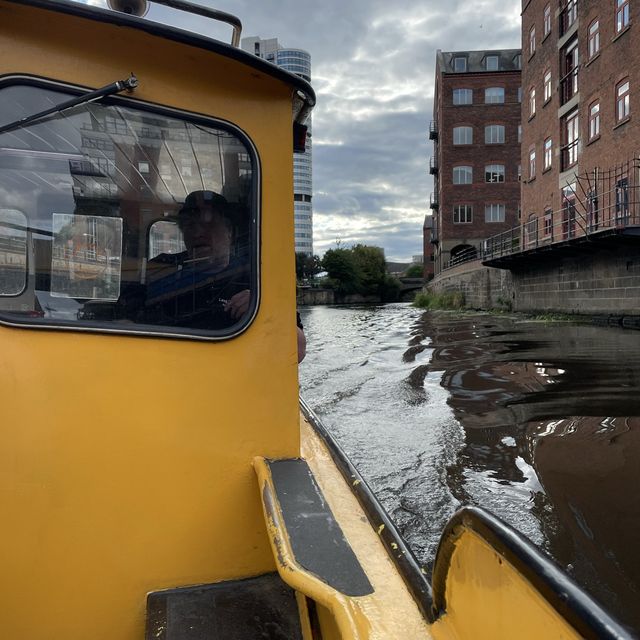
x=206, y=233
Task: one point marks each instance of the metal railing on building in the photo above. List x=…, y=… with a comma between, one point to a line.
x=601, y=203
x=433, y=165
x=433, y=130
x=433, y=200
x=568, y=86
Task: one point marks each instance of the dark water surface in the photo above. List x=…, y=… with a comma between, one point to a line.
x=537, y=422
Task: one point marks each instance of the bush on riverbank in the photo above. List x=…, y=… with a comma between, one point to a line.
x=447, y=300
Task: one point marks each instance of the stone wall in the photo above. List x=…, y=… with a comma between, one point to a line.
x=604, y=283
x=483, y=287
x=314, y=296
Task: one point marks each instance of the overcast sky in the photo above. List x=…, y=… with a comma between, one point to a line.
x=372, y=66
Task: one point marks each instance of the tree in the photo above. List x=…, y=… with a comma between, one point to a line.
x=372, y=265
x=415, y=271
x=343, y=270
x=307, y=266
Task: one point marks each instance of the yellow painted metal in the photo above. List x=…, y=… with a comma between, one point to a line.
x=390, y=611
x=125, y=463
x=488, y=598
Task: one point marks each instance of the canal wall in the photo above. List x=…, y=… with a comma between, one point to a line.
x=603, y=283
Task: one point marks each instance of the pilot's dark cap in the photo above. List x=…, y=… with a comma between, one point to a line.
x=197, y=199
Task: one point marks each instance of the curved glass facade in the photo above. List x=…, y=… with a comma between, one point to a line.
x=295, y=61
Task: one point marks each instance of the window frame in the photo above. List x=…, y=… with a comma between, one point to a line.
x=593, y=39
x=546, y=21
x=532, y=102
x=459, y=127
x=548, y=86
x=468, y=211
x=623, y=99
x=498, y=127
x=532, y=163
x=464, y=91
x=500, y=208
x=464, y=170
x=622, y=15
x=496, y=169
x=594, y=120
x=547, y=154
x=159, y=331
x=493, y=58
x=500, y=94
x=532, y=40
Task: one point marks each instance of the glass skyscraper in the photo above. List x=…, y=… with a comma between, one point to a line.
x=299, y=62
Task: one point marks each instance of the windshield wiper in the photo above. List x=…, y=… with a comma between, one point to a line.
x=115, y=87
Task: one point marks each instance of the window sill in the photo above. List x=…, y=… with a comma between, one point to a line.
x=592, y=140
x=530, y=180
x=547, y=169
x=593, y=59
x=622, y=122
x=531, y=56
x=545, y=36
x=531, y=117
x=621, y=32
x=546, y=102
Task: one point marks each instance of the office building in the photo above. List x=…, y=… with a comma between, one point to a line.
x=299, y=62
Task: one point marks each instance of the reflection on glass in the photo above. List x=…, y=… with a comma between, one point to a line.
x=100, y=203
x=13, y=252
x=87, y=256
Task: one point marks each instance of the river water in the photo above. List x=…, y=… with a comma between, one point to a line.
x=537, y=422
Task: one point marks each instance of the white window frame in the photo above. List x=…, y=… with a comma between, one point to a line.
x=493, y=134
x=466, y=94
x=466, y=210
x=494, y=212
x=462, y=174
x=494, y=95
x=468, y=133
x=494, y=173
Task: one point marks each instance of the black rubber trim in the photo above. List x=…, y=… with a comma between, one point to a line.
x=317, y=540
x=396, y=547
x=573, y=604
x=177, y=35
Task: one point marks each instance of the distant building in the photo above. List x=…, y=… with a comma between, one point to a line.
x=427, y=242
x=476, y=160
x=299, y=62
x=580, y=79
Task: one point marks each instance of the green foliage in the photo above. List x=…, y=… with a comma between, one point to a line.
x=343, y=270
x=415, y=271
x=307, y=266
x=447, y=300
x=360, y=269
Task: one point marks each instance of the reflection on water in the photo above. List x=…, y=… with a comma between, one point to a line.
x=537, y=422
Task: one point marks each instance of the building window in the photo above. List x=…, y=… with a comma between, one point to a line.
x=532, y=40
x=462, y=135
x=594, y=120
x=462, y=96
x=571, y=134
x=532, y=102
x=622, y=200
x=569, y=62
x=462, y=214
x=494, y=173
x=571, y=14
x=622, y=15
x=594, y=38
x=622, y=100
x=547, y=86
x=492, y=63
x=517, y=61
x=459, y=64
x=519, y=133
x=532, y=163
x=494, y=95
x=143, y=167
x=494, y=134
x=519, y=94
x=462, y=175
x=548, y=153
x=547, y=20
x=494, y=213
x=547, y=223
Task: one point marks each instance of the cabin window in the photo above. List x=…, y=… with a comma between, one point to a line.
x=119, y=218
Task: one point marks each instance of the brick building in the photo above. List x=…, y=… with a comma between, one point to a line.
x=580, y=72
x=475, y=130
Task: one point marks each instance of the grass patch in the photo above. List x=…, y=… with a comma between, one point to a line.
x=447, y=300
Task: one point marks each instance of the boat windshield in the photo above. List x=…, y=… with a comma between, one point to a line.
x=120, y=218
